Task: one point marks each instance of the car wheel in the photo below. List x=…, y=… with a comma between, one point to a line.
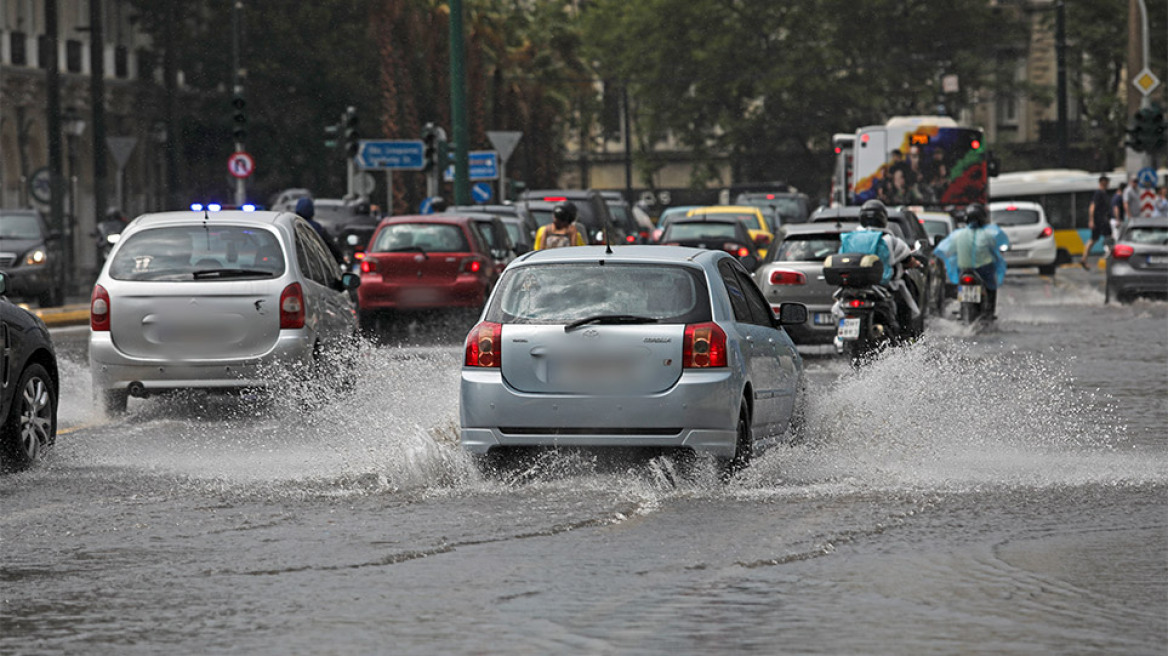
x=31, y=426
x=113, y=401
x=743, y=445
x=1048, y=269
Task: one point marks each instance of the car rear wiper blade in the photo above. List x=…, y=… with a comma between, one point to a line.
x=608, y=318
x=403, y=249
x=232, y=273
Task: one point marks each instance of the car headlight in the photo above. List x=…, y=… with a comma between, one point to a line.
x=35, y=257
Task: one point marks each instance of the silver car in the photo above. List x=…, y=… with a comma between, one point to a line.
x=211, y=300
x=650, y=346
x=1138, y=264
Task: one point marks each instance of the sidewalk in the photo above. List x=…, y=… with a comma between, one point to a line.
x=75, y=312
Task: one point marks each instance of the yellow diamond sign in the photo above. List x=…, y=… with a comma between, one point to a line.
x=1146, y=82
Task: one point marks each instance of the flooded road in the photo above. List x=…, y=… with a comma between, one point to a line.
x=993, y=492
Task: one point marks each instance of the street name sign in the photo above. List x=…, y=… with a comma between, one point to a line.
x=399, y=155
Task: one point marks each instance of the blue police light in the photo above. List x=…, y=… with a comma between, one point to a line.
x=214, y=207
x=196, y=207
x=248, y=208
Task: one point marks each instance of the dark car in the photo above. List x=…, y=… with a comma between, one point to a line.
x=592, y=211
x=1138, y=265
x=713, y=232
x=521, y=225
x=344, y=219
x=31, y=254
x=494, y=232
x=784, y=207
x=623, y=217
x=928, y=282
x=28, y=397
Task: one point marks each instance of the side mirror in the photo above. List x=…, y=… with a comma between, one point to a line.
x=350, y=280
x=937, y=239
x=750, y=262
x=792, y=314
x=3, y=283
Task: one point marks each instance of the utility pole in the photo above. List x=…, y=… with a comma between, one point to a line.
x=1061, y=57
x=53, y=102
x=458, y=106
x=97, y=100
x=237, y=89
x=626, y=137
x=1137, y=60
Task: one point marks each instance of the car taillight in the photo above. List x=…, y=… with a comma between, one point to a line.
x=484, y=345
x=368, y=265
x=1122, y=251
x=99, y=309
x=736, y=249
x=860, y=303
x=968, y=280
x=292, y=307
x=743, y=251
x=704, y=346
x=471, y=265
x=358, y=255
x=786, y=277
x=630, y=238
x=1046, y=232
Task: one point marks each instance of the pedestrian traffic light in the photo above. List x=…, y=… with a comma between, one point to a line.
x=239, y=118
x=352, y=137
x=429, y=147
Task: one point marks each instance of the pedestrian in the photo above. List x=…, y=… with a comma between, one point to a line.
x=562, y=231
x=1098, y=215
x=1131, y=199
x=1161, y=203
x=1117, y=217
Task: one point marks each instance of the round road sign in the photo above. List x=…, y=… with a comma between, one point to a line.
x=240, y=164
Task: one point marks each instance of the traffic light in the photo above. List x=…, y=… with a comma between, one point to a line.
x=330, y=135
x=352, y=137
x=429, y=147
x=239, y=118
x=1146, y=132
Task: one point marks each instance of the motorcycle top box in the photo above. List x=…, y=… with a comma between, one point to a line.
x=853, y=270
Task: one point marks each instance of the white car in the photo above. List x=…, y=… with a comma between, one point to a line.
x=212, y=300
x=1031, y=235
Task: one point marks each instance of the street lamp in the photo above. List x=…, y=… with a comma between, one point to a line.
x=73, y=126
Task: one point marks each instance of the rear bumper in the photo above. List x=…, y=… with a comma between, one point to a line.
x=1123, y=278
x=1041, y=252
x=464, y=291
x=111, y=369
x=699, y=412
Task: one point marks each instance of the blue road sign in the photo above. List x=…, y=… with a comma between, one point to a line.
x=427, y=206
x=1147, y=177
x=481, y=192
x=404, y=155
x=483, y=165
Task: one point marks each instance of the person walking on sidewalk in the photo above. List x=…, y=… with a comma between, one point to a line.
x=1098, y=215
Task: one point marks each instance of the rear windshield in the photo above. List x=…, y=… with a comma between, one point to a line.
x=542, y=217
x=514, y=231
x=427, y=237
x=1014, y=217
x=934, y=227
x=198, y=252
x=700, y=230
x=560, y=293
x=19, y=226
x=807, y=248
x=1148, y=235
x=751, y=220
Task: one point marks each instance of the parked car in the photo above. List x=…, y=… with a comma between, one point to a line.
x=637, y=230
x=424, y=262
x=667, y=215
x=197, y=300
x=793, y=271
x=714, y=232
x=523, y=219
x=1031, y=235
x=592, y=211
x=786, y=207
x=1138, y=264
x=28, y=398
x=761, y=233
x=32, y=255
x=927, y=283
x=659, y=348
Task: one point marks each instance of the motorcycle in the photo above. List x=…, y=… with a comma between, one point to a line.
x=974, y=297
x=865, y=309
x=106, y=235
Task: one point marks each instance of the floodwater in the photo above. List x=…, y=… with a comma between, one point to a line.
x=985, y=492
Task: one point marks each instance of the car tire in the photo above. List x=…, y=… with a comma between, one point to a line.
x=1048, y=269
x=743, y=445
x=30, y=428
x=113, y=401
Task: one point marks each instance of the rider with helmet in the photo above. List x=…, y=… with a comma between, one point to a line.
x=976, y=246
x=872, y=237
x=562, y=231
x=114, y=222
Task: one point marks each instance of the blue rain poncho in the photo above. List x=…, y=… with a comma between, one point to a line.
x=974, y=248
x=868, y=242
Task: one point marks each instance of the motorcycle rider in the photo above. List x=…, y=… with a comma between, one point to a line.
x=114, y=222
x=977, y=246
x=873, y=238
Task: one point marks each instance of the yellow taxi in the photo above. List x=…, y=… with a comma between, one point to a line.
x=756, y=224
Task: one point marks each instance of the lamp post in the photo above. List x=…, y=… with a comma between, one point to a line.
x=74, y=127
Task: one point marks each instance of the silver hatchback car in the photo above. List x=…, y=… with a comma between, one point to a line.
x=211, y=300
x=649, y=346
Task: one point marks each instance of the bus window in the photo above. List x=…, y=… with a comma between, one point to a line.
x=1082, y=204
x=1059, y=210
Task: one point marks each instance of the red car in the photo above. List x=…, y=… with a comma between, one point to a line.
x=422, y=262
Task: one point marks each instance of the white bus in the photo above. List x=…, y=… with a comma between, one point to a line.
x=841, y=176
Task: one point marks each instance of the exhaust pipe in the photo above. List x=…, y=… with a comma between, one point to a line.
x=137, y=390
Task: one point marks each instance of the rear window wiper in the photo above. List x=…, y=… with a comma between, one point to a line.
x=410, y=248
x=608, y=318
x=232, y=273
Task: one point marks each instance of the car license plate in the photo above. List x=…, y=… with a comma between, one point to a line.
x=849, y=328
x=822, y=318
x=1158, y=259
x=969, y=293
x=590, y=372
x=419, y=295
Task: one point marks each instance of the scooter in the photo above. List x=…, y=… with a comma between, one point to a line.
x=106, y=235
x=974, y=297
x=865, y=309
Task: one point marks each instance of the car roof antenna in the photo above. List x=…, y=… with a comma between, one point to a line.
x=607, y=241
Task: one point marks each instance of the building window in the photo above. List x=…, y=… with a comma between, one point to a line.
x=19, y=49
x=145, y=64
x=73, y=56
x=1008, y=110
x=121, y=62
x=44, y=51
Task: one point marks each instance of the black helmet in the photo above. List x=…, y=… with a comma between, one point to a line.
x=114, y=214
x=565, y=212
x=438, y=204
x=975, y=215
x=873, y=214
